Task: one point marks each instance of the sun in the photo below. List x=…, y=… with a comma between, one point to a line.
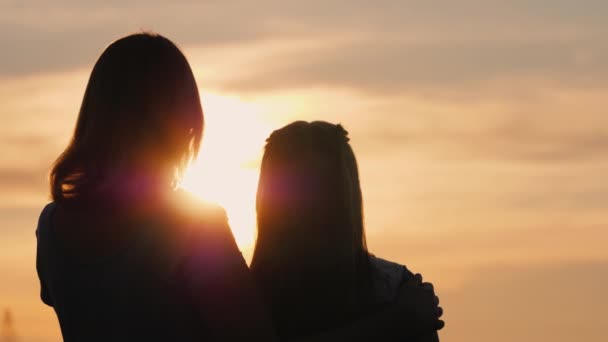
x=227, y=169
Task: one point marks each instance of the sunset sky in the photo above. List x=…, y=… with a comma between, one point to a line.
x=481, y=129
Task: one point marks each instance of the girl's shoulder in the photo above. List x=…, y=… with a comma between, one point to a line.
x=387, y=278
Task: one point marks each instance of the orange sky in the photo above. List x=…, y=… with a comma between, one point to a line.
x=480, y=128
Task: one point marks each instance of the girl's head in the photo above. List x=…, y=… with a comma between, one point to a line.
x=310, y=215
x=140, y=121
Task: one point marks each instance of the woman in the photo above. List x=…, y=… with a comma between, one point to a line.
x=310, y=259
x=120, y=255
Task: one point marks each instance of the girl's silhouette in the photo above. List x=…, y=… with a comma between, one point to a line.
x=311, y=259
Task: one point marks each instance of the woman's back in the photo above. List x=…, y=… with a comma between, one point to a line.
x=116, y=277
x=115, y=262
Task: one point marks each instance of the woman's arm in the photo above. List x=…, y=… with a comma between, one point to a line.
x=219, y=283
x=44, y=291
x=415, y=317
x=43, y=222
x=433, y=337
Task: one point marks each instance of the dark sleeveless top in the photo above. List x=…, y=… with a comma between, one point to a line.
x=146, y=290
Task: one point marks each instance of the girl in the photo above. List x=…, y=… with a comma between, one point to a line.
x=311, y=259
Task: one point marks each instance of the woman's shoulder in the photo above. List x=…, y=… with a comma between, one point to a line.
x=45, y=217
x=190, y=208
x=387, y=278
x=49, y=207
x=203, y=225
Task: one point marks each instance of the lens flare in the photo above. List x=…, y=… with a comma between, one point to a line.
x=227, y=169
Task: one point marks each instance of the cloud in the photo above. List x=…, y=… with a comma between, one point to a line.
x=556, y=302
x=480, y=128
x=401, y=43
x=514, y=141
x=70, y=35
x=382, y=65
x=19, y=178
x=19, y=223
x=555, y=126
x=507, y=243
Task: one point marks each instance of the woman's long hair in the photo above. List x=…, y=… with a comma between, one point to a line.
x=140, y=122
x=310, y=258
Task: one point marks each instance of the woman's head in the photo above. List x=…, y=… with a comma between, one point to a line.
x=140, y=121
x=309, y=207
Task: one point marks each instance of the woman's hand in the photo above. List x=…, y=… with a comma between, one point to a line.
x=417, y=302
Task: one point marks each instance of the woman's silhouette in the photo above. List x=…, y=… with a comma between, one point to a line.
x=121, y=255
x=310, y=258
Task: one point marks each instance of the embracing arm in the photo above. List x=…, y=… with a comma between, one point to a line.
x=381, y=326
x=40, y=254
x=219, y=282
x=414, y=318
x=44, y=291
x=433, y=337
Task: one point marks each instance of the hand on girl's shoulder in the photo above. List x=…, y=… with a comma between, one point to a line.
x=387, y=278
x=414, y=301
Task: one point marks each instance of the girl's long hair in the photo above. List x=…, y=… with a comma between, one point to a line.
x=140, y=122
x=311, y=258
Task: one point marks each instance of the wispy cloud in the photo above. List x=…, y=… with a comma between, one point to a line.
x=430, y=41
x=480, y=127
x=559, y=302
x=393, y=65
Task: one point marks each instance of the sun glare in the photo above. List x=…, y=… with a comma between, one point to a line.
x=227, y=169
